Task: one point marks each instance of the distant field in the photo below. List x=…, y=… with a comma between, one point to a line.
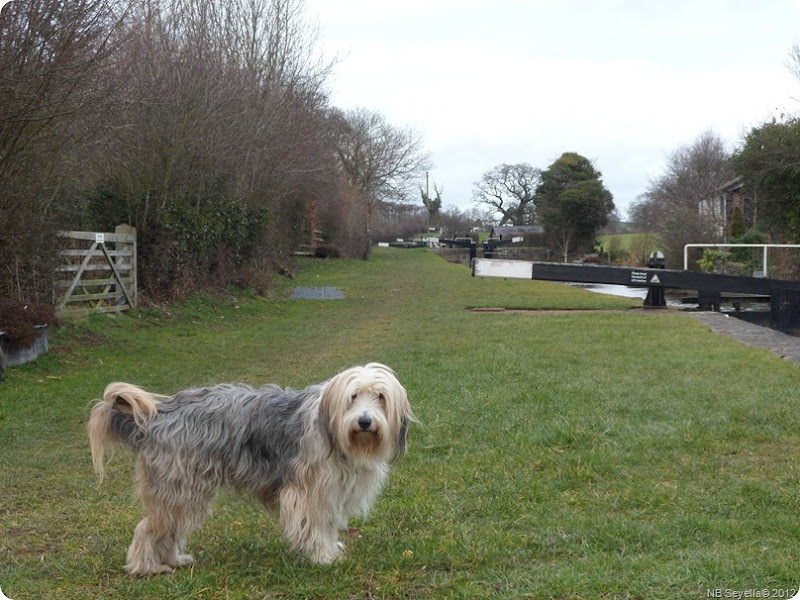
x=575, y=450
x=630, y=247
x=628, y=240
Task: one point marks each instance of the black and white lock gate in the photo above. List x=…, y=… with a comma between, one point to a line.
x=784, y=295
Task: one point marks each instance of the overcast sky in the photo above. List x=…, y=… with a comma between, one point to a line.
x=622, y=82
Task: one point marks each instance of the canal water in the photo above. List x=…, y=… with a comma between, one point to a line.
x=627, y=292
x=672, y=300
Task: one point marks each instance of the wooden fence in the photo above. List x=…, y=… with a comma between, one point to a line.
x=98, y=274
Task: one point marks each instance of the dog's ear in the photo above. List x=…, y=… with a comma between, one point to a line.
x=324, y=419
x=404, y=419
x=333, y=399
x=402, y=439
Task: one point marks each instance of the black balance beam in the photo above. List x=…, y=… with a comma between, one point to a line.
x=784, y=294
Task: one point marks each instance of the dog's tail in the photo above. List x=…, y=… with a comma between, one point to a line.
x=121, y=416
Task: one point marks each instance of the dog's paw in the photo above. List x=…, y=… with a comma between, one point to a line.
x=141, y=571
x=185, y=560
x=328, y=555
x=161, y=569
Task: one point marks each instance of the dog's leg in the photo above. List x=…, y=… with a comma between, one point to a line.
x=174, y=508
x=146, y=552
x=185, y=519
x=309, y=526
x=159, y=539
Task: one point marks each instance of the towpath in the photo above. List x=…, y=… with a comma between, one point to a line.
x=784, y=345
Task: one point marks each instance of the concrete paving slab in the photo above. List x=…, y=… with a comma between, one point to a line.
x=784, y=345
x=318, y=293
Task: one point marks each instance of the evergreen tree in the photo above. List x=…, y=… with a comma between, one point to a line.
x=737, y=222
x=572, y=203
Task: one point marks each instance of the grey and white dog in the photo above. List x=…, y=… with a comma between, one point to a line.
x=320, y=454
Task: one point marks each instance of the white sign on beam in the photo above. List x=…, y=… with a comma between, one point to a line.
x=507, y=269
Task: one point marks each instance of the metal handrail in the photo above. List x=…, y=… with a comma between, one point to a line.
x=764, y=246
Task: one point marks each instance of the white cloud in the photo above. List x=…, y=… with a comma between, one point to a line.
x=622, y=82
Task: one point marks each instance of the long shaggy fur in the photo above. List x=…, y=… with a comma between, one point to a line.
x=320, y=454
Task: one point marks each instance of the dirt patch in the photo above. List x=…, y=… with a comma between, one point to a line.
x=555, y=311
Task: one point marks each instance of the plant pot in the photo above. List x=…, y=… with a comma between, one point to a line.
x=19, y=355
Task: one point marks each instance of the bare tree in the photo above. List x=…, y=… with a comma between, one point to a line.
x=793, y=62
x=223, y=104
x=694, y=173
x=508, y=190
x=432, y=204
x=645, y=215
x=53, y=85
x=221, y=98
x=204, y=123
x=382, y=162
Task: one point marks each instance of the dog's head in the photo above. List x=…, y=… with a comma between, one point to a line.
x=365, y=415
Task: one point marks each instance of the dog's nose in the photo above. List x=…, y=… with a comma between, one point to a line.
x=364, y=422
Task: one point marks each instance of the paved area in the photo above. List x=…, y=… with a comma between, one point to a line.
x=318, y=293
x=784, y=345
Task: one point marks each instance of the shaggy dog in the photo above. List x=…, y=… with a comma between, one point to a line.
x=321, y=454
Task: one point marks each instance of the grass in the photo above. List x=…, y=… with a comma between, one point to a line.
x=562, y=454
x=635, y=247
x=628, y=240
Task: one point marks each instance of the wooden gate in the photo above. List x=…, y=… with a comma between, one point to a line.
x=98, y=274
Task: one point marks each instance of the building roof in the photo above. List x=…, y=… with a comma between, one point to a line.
x=731, y=186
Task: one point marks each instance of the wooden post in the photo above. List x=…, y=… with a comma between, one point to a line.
x=130, y=245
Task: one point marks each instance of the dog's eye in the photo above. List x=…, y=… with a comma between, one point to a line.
x=381, y=398
x=353, y=397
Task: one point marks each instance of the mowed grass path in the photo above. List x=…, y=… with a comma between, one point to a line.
x=562, y=454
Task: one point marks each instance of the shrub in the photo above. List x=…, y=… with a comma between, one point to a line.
x=19, y=320
x=748, y=257
x=737, y=222
x=198, y=243
x=720, y=262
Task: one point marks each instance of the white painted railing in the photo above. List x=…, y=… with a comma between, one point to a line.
x=766, y=248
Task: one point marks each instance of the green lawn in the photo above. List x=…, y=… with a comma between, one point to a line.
x=632, y=248
x=627, y=240
x=562, y=454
